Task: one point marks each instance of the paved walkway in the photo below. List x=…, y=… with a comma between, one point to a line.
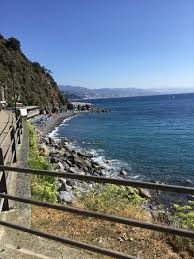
x=7, y=119
x=4, y=117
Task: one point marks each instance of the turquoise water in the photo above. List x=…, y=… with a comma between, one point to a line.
x=152, y=137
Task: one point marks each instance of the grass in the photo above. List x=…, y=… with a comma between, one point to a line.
x=116, y=200
x=43, y=187
x=182, y=218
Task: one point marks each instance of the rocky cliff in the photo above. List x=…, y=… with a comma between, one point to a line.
x=25, y=81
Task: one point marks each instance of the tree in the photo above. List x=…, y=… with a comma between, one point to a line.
x=13, y=43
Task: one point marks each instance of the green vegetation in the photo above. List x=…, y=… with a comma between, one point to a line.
x=183, y=217
x=43, y=187
x=185, y=214
x=113, y=199
x=34, y=84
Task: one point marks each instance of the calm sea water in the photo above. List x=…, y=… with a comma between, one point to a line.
x=152, y=137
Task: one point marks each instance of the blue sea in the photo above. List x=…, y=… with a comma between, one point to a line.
x=152, y=136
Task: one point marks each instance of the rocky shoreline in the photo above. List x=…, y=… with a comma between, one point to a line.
x=64, y=158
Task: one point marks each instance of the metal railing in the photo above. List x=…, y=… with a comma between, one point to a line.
x=127, y=221
x=9, y=156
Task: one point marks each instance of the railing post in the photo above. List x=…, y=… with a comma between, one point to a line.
x=3, y=185
x=18, y=130
x=20, y=125
x=14, y=148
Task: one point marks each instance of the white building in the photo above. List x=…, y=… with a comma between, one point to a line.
x=29, y=111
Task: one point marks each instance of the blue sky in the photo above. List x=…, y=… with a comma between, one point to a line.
x=107, y=43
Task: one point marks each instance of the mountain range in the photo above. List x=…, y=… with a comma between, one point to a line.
x=78, y=92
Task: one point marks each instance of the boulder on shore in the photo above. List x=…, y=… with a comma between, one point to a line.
x=123, y=173
x=144, y=193
x=60, y=166
x=43, y=149
x=76, y=170
x=63, y=186
x=65, y=196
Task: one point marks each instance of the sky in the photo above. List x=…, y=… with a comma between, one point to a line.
x=106, y=43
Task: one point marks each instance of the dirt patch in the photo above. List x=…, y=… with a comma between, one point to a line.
x=130, y=240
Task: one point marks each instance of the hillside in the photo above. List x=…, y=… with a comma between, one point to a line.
x=85, y=93
x=34, y=84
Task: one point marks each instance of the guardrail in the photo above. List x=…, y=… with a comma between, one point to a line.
x=98, y=215
x=9, y=157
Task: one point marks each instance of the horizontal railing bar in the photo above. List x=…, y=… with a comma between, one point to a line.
x=100, y=179
x=67, y=241
x=99, y=215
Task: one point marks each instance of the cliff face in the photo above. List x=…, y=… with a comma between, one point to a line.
x=33, y=83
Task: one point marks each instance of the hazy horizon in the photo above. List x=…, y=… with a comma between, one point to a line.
x=107, y=44
x=163, y=89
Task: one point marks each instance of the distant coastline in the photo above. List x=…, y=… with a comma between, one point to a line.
x=82, y=93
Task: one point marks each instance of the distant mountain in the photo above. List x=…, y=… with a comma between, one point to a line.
x=77, y=92
x=174, y=90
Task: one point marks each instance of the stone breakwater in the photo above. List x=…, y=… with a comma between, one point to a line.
x=64, y=158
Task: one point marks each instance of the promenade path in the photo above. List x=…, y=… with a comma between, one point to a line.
x=7, y=119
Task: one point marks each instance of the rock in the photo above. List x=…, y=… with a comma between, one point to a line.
x=46, y=141
x=74, y=153
x=66, y=165
x=81, y=162
x=70, y=158
x=75, y=170
x=57, y=146
x=68, y=162
x=43, y=149
x=70, y=182
x=51, y=141
x=102, y=167
x=78, y=160
x=64, y=141
x=95, y=163
x=60, y=166
x=55, y=159
x=80, y=154
x=144, y=193
x=85, y=169
x=65, y=196
x=63, y=185
x=67, y=154
x=100, y=173
x=123, y=173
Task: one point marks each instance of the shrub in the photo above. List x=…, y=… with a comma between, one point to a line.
x=182, y=218
x=43, y=187
x=114, y=199
x=13, y=43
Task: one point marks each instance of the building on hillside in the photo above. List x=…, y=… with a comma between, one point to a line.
x=29, y=111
